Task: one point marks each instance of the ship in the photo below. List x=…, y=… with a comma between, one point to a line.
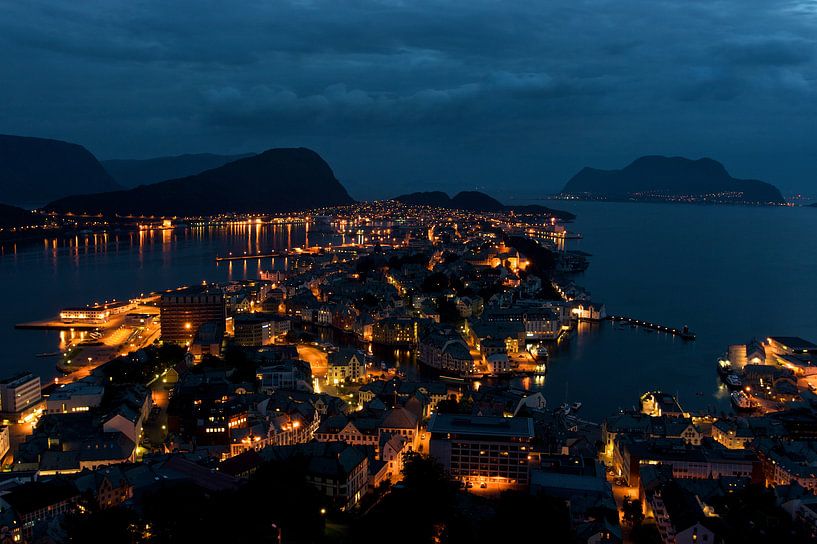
x=742, y=401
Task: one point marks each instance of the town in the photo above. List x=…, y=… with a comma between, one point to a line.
x=391, y=362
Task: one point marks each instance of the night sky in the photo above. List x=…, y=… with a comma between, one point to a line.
x=508, y=97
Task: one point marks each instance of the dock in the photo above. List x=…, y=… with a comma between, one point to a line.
x=684, y=332
x=57, y=325
x=250, y=257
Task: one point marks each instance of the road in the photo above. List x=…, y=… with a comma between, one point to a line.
x=316, y=357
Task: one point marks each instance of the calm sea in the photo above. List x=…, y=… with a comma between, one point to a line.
x=730, y=273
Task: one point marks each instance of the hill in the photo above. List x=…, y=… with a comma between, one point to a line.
x=133, y=172
x=474, y=201
x=671, y=179
x=34, y=171
x=277, y=180
x=12, y=217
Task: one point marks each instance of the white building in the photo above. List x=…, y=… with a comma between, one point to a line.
x=19, y=393
x=79, y=396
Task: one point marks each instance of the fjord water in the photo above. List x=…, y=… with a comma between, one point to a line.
x=41, y=277
x=728, y=272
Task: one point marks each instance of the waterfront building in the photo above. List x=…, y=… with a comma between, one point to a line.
x=495, y=451
x=790, y=345
x=540, y=323
x=497, y=363
x=396, y=331
x=19, y=393
x=346, y=365
x=589, y=311
x=445, y=349
x=183, y=311
x=93, y=315
x=658, y=403
x=98, y=314
x=511, y=334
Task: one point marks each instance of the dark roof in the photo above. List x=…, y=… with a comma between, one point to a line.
x=795, y=343
x=481, y=425
x=34, y=496
x=325, y=459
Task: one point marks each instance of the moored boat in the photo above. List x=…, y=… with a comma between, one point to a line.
x=741, y=401
x=733, y=381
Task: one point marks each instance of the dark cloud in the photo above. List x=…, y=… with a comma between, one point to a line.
x=511, y=97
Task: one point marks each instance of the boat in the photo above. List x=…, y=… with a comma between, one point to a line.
x=575, y=406
x=733, y=381
x=724, y=367
x=564, y=407
x=741, y=400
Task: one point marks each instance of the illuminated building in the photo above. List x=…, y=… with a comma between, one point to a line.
x=5, y=442
x=495, y=451
x=97, y=314
x=346, y=365
x=79, y=396
x=396, y=331
x=183, y=311
x=259, y=330
x=19, y=393
x=446, y=350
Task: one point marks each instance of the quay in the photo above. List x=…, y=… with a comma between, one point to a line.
x=684, y=333
x=57, y=324
x=249, y=257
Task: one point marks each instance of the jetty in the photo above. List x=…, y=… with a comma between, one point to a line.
x=251, y=256
x=683, y=332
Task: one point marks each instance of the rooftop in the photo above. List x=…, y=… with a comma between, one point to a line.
x=519, y=427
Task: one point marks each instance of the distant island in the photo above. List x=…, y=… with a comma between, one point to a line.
x=34, y=171
x=474, y=201
x=133, y=172
x=670, y=179
x=277, y=180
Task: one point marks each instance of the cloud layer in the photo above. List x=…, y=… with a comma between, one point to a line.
x=511, y=97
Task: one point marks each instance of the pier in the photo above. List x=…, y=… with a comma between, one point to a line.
x=249, y=257
x=684, y=332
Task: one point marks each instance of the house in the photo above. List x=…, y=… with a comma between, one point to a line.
x=337, y=470
x=681, y=516
x=346, y=365
x=445, y=349
x=107, y=487
x=392, y=449
x=498, y=363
